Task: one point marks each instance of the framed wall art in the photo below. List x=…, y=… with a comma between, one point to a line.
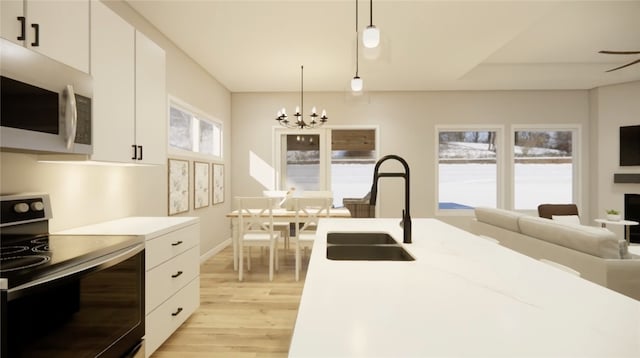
x=218, y=183
x=178, y=186
x=200, y=185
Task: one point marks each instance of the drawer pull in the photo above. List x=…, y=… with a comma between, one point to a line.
x=176, y=243
x=177, y=312
x=176, y=274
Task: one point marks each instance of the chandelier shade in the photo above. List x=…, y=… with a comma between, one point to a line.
x=315, y=120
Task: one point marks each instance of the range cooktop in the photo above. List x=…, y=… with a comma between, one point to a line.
x=25, y=258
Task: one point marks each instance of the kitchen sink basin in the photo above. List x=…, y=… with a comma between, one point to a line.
x=368, y=253
x=360, y=238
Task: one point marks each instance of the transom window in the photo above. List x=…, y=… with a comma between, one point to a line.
x=190, y=131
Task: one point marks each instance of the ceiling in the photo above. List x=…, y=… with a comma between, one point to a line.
x=258, y=46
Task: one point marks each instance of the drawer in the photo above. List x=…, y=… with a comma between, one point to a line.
x=163, y=248
x=160, y=281
x=165, y=319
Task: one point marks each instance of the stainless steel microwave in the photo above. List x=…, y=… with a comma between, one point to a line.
x=45, y=105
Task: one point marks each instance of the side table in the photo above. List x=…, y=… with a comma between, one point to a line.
x=626, y=223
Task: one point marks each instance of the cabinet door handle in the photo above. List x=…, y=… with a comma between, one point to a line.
x=22, y=27
x=176, y=274
x=135, y=151
x=177, y=312
x=140, y=156
x=36, y=27
x=176, y=243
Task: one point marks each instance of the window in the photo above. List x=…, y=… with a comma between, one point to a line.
x=353, y=158
x=192, y=132
x=467, y=168
x=339, y=160
x=543, y=168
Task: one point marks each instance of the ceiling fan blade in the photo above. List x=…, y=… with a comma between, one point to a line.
x=620, y=52
x=623, y=66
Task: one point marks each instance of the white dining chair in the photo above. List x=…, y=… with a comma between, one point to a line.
x=282, y=226
x=256, y=229
x=308, y=210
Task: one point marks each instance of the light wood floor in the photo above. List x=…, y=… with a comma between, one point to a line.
x=253, y=318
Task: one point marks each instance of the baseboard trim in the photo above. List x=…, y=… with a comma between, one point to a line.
x=216, y=249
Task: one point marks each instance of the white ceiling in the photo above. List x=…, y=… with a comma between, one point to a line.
x=258, y=46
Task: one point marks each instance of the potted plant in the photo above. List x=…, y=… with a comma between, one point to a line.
x=613, y=215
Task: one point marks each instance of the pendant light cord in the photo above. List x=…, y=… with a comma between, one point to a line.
x=357, y=55
x=302, y=91
x=370, y=12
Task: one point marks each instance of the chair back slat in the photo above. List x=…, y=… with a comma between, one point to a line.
x=309, y=211
x=255, y=214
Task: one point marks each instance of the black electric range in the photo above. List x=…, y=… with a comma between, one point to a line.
x=66, y=295
x=29, y=253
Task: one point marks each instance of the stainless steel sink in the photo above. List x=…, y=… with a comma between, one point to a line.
x=360, y=238
x=365, y=246
x=368, y=253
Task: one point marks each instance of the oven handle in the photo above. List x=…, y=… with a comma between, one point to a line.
x=86, y=267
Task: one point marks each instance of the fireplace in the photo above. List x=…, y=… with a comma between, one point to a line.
x=632, y=212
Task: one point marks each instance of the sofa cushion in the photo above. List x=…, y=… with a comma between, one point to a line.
x=566, y=219
x=591, y=240
x=502, y=218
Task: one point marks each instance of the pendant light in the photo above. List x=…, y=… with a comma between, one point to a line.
x=371, y=35
x=356, y=81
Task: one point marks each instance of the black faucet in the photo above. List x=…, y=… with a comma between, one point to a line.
x=406, y=216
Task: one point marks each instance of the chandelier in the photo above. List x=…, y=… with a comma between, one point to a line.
x=299, y=122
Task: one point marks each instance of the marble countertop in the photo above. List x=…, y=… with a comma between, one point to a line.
x=462, y=296
x=147, y=226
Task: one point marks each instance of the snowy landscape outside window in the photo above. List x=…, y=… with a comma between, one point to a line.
x=543, y=168
x=193, y=132
x=467, y=169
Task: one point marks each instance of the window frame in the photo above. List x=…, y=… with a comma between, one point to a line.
x=500, y=160
x=325, y=131
x=183, y=106
x=576, y=130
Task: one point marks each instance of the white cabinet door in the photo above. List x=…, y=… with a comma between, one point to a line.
x=11, y=28
x=112, y=68
x=63, y=30
x=151, y=107
x=57, y=29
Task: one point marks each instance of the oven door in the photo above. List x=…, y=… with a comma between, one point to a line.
x=95, y=309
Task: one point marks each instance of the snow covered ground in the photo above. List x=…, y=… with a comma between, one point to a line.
x=465, y=183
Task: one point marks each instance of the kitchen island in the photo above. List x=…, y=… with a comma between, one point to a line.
x=462, y=296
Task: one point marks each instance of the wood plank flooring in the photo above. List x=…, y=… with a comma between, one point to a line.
x=253, y=318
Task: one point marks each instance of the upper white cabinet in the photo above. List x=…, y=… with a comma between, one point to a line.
x=150, y=104
x=58, y=29
x=129, y=94
x=112, y=68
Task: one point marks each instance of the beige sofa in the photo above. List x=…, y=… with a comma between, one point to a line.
x=594, y=252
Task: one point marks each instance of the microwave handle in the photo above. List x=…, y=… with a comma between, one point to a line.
x=70, y=116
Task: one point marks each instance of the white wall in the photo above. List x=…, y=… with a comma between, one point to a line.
x=612, y=107
x=84, y=195
x=407, y=121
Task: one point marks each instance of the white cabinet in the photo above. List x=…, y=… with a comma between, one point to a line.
x=58, y=29
x=151, y=101
x=172, y=283
x=172, y=261
x=129, y=94
x=112, y=68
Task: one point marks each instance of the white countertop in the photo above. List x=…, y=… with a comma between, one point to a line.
x=149, y=227
x=462, y=296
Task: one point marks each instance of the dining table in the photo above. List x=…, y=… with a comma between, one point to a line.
x=279, y=215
